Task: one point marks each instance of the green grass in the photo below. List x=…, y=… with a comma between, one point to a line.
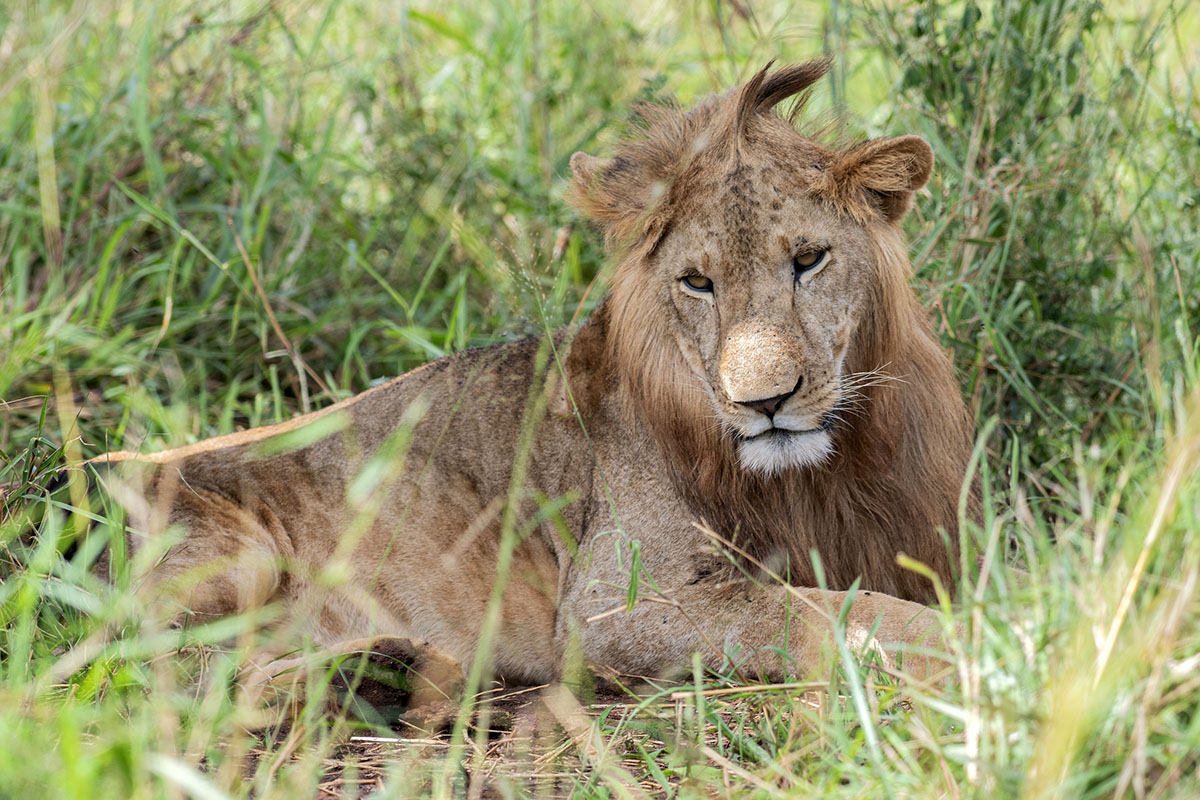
x=217, y=215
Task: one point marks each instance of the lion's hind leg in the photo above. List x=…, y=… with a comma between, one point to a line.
x=230, y=559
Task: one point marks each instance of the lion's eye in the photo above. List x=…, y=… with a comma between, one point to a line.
x=697, y=283
x=808, y=261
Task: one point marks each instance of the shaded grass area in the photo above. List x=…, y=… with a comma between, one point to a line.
x=217, y=215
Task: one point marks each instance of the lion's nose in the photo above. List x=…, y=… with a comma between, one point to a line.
x=770, y=405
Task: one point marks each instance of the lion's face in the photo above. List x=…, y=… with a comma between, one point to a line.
x=765, y=288
x=752, y=266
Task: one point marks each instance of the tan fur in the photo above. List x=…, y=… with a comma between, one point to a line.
x=649, y=433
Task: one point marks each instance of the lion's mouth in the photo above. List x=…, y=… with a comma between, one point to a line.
x=777, y=449
x=776, y=432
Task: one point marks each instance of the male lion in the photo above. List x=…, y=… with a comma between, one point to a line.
x=760, y=366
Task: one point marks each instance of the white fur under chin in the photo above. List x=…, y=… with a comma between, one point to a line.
x=774, y=452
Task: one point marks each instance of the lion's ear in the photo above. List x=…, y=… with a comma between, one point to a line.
x=884, y=173
x=621, y=196
x=591, y=190
x=585, y=169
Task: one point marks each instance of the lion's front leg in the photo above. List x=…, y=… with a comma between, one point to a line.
x=769, y=631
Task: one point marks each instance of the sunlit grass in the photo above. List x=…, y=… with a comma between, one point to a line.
x=214, y=217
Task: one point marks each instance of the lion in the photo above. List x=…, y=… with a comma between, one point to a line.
x=760, y=386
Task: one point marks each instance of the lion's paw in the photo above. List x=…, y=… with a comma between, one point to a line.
x=383, y=680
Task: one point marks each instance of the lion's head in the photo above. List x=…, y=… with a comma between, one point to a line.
x=761, y=322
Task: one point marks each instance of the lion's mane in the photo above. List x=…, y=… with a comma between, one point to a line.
x=895, y=479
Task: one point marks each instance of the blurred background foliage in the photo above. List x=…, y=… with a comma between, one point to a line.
x=393, y=175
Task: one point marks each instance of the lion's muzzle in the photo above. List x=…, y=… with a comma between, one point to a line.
x=760, y=367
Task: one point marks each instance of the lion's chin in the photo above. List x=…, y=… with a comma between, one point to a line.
x=777, y=450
